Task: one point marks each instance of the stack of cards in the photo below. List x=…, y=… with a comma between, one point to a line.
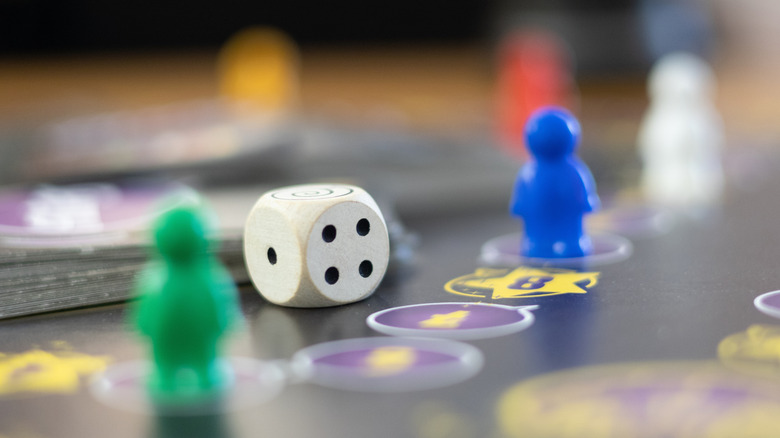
x=207, y=136
x=71, y=246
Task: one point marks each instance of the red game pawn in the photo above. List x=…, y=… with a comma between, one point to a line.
x=534, y=72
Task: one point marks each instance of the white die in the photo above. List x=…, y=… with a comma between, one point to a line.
x=316, y=245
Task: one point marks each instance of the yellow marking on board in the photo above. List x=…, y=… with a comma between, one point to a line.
x=758, y=342
x=440, y=419
x=260, y=65
x=753, y=420
x=522, y=282
x=522, y=412
x=446, y=320
x=681, y=399
x=753, y=351
x=46, y=372
x=386, y=361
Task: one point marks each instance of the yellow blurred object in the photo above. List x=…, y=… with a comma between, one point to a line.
x=387, y=361
x=260, y=66
x=46, y=372
x=685, y=399
x=754, y=351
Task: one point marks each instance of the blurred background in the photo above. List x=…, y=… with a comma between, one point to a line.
x=432, y=67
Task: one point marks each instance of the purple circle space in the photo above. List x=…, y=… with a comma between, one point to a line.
x=504, y=251
x=663, y=399
x=769, y=303
x=388, y=364
x=452, y=320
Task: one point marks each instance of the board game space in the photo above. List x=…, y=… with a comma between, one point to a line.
x=667, y=326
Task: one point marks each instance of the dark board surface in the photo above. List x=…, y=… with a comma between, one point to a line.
x=670, y=304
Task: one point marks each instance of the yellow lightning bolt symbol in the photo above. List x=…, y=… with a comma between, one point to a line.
x=445, y=320
x=385, y=361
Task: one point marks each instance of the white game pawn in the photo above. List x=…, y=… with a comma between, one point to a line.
x=316, y=245
x=681, y=135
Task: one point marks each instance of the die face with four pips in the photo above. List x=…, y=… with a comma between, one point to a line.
x=316, y=245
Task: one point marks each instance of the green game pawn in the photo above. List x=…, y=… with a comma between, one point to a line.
x=187, y=302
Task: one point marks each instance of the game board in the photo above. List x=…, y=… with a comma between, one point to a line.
x=668, y=329
x=666, y=341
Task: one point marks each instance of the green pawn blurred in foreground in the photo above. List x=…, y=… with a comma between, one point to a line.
x=187, y=302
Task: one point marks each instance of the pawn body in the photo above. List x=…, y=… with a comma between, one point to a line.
x=554, y=190
x=316, y=245
x=187, y=303
x=681, y=136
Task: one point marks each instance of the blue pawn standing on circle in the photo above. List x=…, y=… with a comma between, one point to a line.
x=555, y=189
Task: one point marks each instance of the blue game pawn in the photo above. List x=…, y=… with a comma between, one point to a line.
x=555, y=189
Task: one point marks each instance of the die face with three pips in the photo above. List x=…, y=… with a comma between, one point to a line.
x=316, y=245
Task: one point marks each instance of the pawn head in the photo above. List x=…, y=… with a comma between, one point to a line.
x=681, y=75
x=180, y=234
x=551, y=133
